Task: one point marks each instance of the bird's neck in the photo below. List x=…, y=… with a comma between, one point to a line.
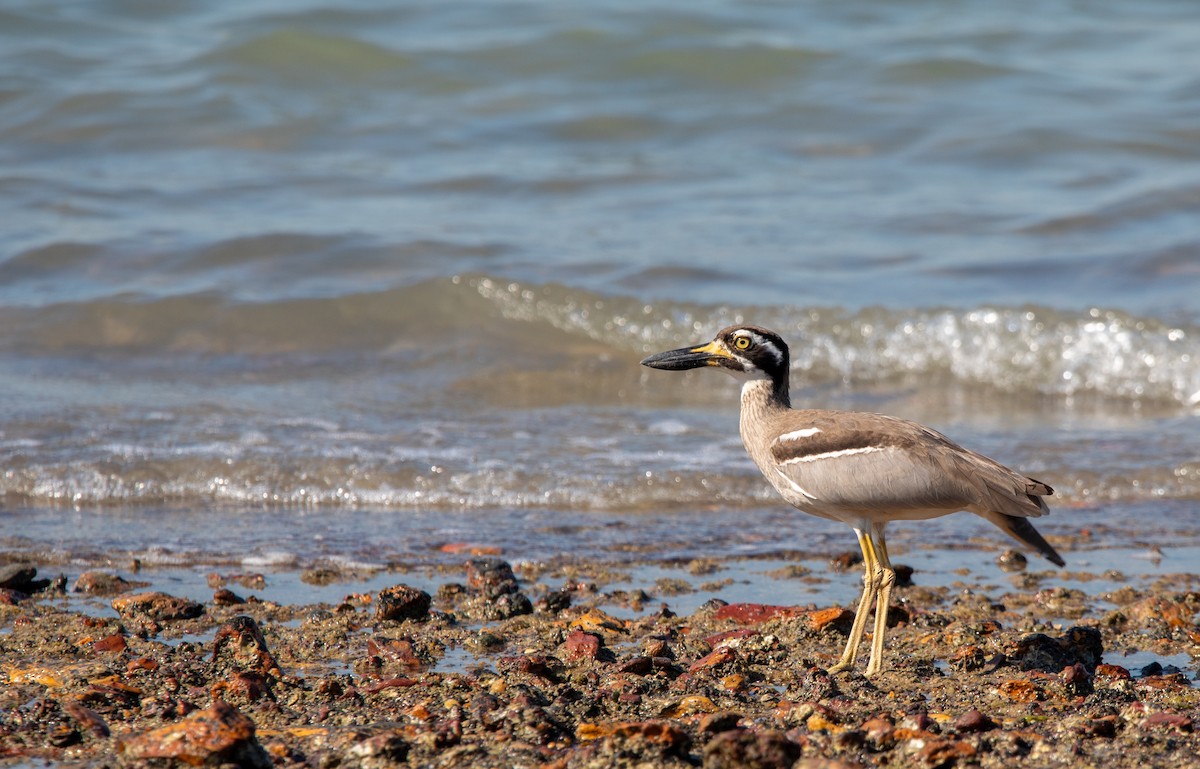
x=762, y=395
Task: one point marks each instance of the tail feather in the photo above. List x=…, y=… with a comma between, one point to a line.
x=1023, y=531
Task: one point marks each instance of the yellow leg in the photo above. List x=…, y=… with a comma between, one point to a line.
x=887, y=578
x=871, y=581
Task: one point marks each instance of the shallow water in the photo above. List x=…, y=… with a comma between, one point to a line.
x=309, y=281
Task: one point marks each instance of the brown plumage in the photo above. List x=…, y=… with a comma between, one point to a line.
x=859, y=468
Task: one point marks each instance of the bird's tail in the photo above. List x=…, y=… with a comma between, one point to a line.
x=1023, y=531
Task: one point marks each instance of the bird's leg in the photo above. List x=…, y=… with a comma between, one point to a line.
x=871, y=580
x=887, y=578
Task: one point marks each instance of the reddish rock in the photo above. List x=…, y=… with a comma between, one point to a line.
x=638, y=666
x=217, y=735
x=1112, y=672
x=159, y=607
x=394, y=652
x=581, y=645
x=390, y=683
x=755, y=613
x=113, y=643
x=470, y=549
x=401, y=602
x=1168, y=720
x=226, y=597
x=946, y=752
x=717, y=638
x=832, y=617
x=973, y=721
x=10, y=597
x=718, y=656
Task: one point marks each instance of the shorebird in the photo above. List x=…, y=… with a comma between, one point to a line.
x=858, y=468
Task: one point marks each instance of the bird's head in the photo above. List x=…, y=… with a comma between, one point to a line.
x=747, y=352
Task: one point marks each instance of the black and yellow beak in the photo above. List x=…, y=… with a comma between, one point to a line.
x=711, y=354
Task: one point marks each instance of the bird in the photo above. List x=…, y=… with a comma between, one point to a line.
x=860, y=468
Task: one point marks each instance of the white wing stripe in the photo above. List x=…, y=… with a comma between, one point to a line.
x=831, y=455
x=807, y=432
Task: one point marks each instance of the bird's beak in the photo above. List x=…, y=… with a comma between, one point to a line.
x=686, y=358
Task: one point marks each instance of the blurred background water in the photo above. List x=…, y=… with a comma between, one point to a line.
x=356, y=279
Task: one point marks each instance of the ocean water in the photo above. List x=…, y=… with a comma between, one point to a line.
x=293, y=281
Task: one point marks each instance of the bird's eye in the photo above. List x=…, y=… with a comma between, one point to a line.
x=742, y=343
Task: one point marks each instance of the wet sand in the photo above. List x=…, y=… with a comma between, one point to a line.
x=473, y=661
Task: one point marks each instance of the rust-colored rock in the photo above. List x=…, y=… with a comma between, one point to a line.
x=10, y=597
x=755, y=613
x=581, y=645
x=946, y=752
x=394, y=652
x=718, y=656
x=223, y=596
x=1022, y=691
x=114, y=643
x=216, y=735
x=156, y=606
x=831, y=617
x=402, y=602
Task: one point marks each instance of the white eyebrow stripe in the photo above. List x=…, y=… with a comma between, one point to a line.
x=799, y=489
x=807, y=432
x=832, y=455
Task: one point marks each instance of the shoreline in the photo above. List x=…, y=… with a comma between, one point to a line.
x=588, y=664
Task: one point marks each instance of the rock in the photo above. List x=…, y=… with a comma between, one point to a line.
x=225, y=597
x=540, y=665
x=22, y=577
x=745, y=749
x=241, y=643
x=554, y=602
x=1038, y=651
x=846, y=560
x=581, y=645
x=1012, y=560
x=217, y=735
x=643, y=739
x=401, y=602
x=156, y=606
x=87, y=719
x=491, y=576
x=114, y=643
x=721, y=721
x=1167, y=720
x=973, y=721
x=103, y=583
x=755, y=613
x=383, y=750
x=10, y=597
x=836, y=617
x=904, y=574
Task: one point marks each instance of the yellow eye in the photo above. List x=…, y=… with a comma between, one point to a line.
x=742, y=342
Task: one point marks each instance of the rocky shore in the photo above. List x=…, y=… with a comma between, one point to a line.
x=549, y=666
